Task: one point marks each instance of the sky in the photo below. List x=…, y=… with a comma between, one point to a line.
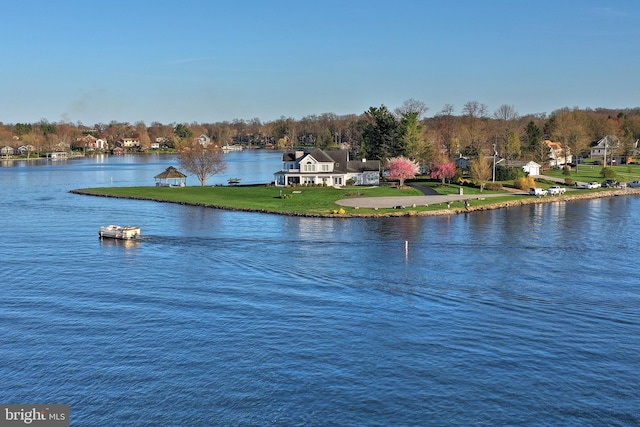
x=210, y=61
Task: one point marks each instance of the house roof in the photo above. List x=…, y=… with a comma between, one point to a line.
x=553, y=145
x=339, y=158
x=606, y=142
x=170, y=173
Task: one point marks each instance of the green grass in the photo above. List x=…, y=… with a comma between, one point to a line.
x=306, y=200
x=588, y=172
x=309, y=200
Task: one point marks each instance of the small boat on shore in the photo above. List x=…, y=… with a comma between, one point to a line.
x=119, y=232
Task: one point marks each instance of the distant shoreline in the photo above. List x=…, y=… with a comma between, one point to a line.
x=403, y=212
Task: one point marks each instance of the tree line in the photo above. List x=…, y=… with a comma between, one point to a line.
x=378, y=133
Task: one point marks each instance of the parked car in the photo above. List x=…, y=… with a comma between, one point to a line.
x=556, y=190
x=592, y=184
x=539, y=192
x=633, y=184
x=611, y=183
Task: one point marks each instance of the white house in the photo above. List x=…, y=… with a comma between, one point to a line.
x=130, y=142
x=332, y=168
x=558, y=156
x=6, y=151
x=91, y=143
x=204, y=140
x=26, y=149
x=604, y=147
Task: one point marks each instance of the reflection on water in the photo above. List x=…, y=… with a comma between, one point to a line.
x=127, y=244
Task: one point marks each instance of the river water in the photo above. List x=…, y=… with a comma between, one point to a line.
x=521, y=316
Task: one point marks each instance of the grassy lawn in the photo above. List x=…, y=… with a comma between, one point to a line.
x=307, y=200
x=588, y=172
x=320, y=200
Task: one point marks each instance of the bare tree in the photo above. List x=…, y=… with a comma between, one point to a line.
x=203, y=160
x=506, y=121
x=444, y=123
x=506, y=113
x=474, y=114
x=412, y=106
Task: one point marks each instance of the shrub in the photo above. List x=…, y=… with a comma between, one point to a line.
x=569, y=181
x=608, y=173
x=524, y=182
x=566, y=171
x=506, y=174
x=493, y=186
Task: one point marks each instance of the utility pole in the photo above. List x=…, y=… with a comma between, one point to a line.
x=494, y=163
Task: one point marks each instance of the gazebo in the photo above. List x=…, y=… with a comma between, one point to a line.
x=171, y=177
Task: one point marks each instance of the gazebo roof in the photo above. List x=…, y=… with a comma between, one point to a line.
x=170, y=173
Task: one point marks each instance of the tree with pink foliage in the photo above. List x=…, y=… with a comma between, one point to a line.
x=402, y=168
x=443, y=171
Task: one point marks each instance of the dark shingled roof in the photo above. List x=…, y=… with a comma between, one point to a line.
x=340, y=158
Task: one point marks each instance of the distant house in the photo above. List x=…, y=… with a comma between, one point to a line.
x=462, y=162
x=101, y=144
x=171, y=177
x=86, y=141
x=26, y=149
x=91, y=143
x=204, y=139
x=558, y=156
x=130, y=142
x=6, y=151
x=605, y=147
x=332, y=168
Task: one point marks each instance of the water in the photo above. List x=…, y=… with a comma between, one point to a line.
x=522, y=316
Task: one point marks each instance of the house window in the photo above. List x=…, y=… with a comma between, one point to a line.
x=325, y=168
x=309, y=167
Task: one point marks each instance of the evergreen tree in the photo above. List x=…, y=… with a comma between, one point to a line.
x=534, y=143
x=380, y=135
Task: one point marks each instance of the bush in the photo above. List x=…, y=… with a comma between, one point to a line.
x=566, y=171
x=569, y=181
x=608, y=173
x=524, y=182
x=507, y=174
x=493, y=186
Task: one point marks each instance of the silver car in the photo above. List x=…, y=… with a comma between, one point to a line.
x=633, y=184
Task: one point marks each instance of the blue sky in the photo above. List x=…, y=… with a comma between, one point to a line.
x=209, y=61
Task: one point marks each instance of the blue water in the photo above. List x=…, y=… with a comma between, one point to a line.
x=522, y=316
